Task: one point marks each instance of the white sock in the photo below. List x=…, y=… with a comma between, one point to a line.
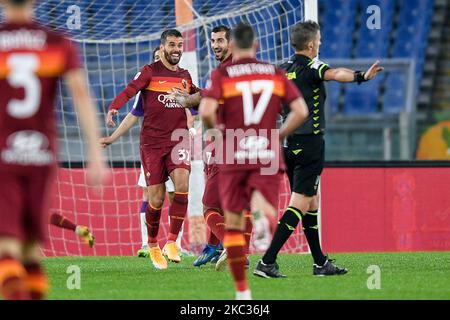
x=244, y=295
x=144, y=234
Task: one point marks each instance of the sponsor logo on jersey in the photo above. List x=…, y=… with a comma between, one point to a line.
x=254, y=147
x=27, y=148
x=167, y=102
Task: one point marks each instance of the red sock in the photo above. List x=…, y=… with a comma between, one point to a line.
x=216, y=223
x=12, y=280
x=248, y=230
x=62, y=222
x=152, y=217
x=36, y=281
x=177, y=212
x=234, y=242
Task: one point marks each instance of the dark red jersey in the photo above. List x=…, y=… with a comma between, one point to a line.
x=162, y=116
x=252, y=94
x=32, y=60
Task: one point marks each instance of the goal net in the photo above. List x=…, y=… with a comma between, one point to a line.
x=116, y=38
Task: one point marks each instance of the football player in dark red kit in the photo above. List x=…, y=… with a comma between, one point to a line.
x=32, y=60
x=220, y=42
x=249, y=157
x=162, y=154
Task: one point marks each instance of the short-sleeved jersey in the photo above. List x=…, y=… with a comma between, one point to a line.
x=162, y=116
x=308, y=76
x=32, y=59
x=252, y=94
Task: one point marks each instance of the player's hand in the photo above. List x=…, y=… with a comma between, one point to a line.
x=106, y=141
x=373, y=71
x=109, y=117
x=178, y=95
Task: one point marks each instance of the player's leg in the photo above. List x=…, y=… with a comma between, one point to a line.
x=177, y=211
x=35, y=225
x=82, y=231
x=12, y=271
x=143, y=252
x=235, y=199
x=170, y=189
x=214, y=219
x=155, y=175
x=36, y=280
x=156, y=194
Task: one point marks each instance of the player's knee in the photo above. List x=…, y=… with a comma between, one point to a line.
x=234, y=221
x=10, y=247
x=301, y=201
x=182, y=187
x=156, y=201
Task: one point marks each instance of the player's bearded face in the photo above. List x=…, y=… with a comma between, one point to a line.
x=173, y=49
x=219, y=44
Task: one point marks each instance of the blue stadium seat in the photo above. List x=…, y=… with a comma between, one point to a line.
x=362, y=99
x=394, y=96
x=333, y=94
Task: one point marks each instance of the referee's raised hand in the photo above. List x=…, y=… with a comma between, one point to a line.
x=373, y=71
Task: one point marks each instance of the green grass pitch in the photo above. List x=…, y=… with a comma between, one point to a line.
x=419, y=275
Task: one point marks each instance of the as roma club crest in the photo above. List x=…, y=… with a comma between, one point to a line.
x=184, y=83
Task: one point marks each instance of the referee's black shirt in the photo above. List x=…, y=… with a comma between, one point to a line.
x=308, y=76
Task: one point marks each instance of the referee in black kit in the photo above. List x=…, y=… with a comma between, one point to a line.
x=305, y=149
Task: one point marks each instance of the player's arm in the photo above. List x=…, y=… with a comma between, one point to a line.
x=297, y=115
x=126, y=124
x=348, y=75
x=210, y=100
x=85, y=108
x=208, y=111
x=185, y=99
x=129, y=121
x=140, y=81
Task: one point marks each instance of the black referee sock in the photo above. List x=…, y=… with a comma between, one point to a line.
x=286, y=226
x=311, y=230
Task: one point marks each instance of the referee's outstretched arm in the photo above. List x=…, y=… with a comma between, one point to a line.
x=348, y=75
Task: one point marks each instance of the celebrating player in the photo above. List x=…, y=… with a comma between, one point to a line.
x=304, y=168
x=82, y=231
x=129, y=121
x=32, y=59
x=249, y=170
x=161, y=154
x=220, y=39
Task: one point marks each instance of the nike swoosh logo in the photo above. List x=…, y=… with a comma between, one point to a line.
x=162, y=81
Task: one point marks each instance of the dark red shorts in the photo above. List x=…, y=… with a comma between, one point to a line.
x=158, y=163
x=25, y=201
x=236, y=188
x=211, y=197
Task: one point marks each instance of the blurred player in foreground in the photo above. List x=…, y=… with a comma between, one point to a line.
x=32, y=60
x=250, y=169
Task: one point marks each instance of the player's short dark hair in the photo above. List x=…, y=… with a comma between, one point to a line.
x=170, y=33
x=302, y=33
x=243, y=36
x=18, y=3
x=223, y=28
x=154, y=53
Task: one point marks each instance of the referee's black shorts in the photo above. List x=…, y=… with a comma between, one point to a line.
x=305, y=156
